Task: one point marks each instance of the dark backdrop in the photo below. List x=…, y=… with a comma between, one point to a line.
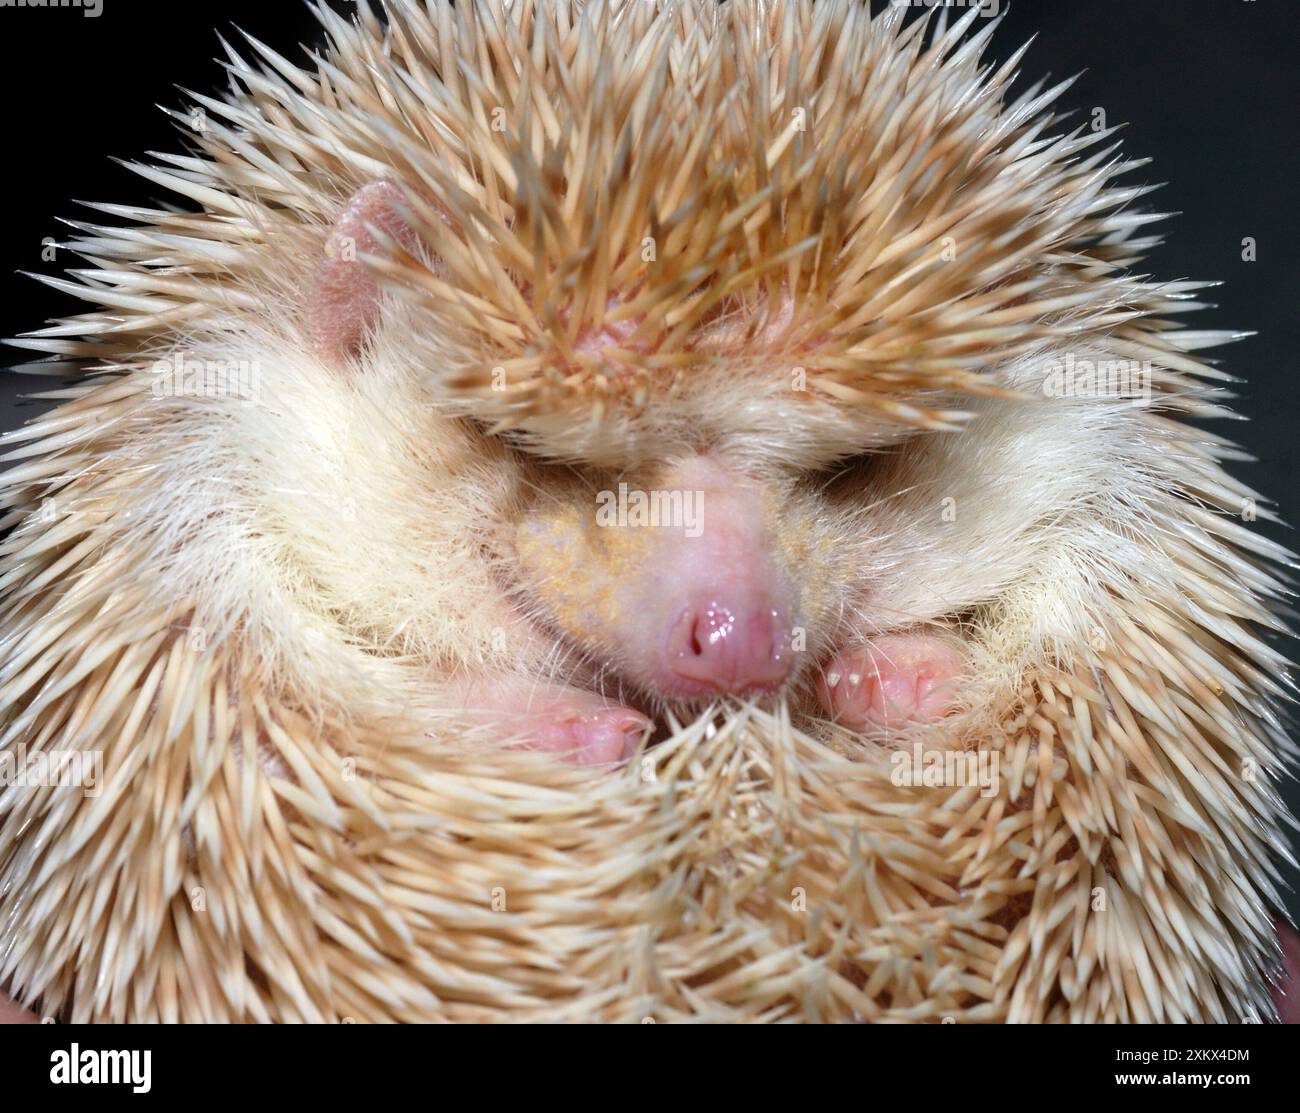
x=1209, y=88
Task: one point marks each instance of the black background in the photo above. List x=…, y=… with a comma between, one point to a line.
x=346, y=1066
x=1208, y=87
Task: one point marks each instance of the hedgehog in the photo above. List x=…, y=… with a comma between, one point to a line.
x=628, y=511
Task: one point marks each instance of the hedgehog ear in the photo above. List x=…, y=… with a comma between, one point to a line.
x=344, y=303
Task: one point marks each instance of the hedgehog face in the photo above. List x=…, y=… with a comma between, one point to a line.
x=693, y=536
x=685, y=538
x=634, y=568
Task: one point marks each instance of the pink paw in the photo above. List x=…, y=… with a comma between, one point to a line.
x=584, y=735
x=892, y=680
x=578, y=726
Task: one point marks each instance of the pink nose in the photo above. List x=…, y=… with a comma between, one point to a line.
x=715, y=649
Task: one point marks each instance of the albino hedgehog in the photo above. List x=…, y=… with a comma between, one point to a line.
x=339, y=522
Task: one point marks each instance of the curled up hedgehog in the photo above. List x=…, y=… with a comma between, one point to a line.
x=626, y=511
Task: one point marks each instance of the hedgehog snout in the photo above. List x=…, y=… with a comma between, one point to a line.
x=676, y=582
x=721, y=606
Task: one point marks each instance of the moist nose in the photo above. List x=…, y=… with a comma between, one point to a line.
x=728, y=649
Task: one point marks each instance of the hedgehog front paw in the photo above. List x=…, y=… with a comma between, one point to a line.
x=577, y=726
x=892, y=680
x=585, y=735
